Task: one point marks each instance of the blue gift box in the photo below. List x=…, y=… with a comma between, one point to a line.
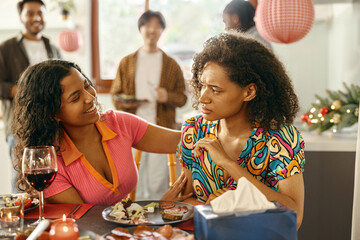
x=272, y=224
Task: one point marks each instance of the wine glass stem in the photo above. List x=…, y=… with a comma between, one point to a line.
x=41, y=206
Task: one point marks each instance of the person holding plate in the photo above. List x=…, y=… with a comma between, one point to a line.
x=248, y=105
x=150, y=74
x=56, y=104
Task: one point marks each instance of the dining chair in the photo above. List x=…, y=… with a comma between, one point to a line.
x=172, y=170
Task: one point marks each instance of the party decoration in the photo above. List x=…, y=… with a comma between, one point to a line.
x=70, y=40
x=284, y=21
x=336, y=105
x=339, y=110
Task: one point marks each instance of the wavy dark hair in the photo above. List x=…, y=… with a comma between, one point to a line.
x=146, y=16
x=248, y=61
x=37, y=101
x=20, y=4
x=245, y=12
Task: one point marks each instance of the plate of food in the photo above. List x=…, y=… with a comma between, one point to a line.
x=12, y=200
x=128, y=98
x=130, y=213
x=147, y=232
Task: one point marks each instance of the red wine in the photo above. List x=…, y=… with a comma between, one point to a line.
x=40, y=179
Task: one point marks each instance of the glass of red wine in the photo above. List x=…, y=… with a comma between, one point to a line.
x=39, y=166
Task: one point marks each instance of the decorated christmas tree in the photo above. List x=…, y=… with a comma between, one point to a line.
x=338, y=110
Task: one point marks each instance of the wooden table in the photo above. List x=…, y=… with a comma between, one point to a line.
x=92, y=221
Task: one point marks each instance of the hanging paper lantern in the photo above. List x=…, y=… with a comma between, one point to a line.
x=70, y=40
x=284, y=21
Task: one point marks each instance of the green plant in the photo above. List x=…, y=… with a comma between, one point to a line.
x=66, y=6
x=340, y=109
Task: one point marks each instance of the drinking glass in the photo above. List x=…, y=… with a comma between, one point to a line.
x=39, y=166
x=11, y=215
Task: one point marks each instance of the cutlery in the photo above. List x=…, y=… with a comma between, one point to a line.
x=73, y=210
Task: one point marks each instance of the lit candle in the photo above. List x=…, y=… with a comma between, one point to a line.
x=64, y=228
x=10, y=221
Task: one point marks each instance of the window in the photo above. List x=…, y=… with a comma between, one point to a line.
x=189, y=24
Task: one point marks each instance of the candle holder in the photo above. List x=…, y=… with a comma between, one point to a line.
x=11, y=217
x=64, y=229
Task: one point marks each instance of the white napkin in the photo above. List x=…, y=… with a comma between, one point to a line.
x=245, y=197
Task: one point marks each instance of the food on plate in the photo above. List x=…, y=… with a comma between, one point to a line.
x=126, y=97
x=151, y=207
x=166, y=205
x=171, y=214
x=175, y=213
x=12, y=200
x=166, y=231
x=145, y=232
x=129, y=212
x=119, y=233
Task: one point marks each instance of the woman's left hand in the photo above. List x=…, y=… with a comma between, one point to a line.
x=174, y=193
x=214, y=148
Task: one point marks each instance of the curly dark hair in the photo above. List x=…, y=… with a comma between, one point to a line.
x=248, y=61
x=37, y=101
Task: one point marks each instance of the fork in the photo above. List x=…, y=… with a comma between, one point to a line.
x=73, y=210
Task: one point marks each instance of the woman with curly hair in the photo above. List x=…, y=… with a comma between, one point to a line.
x=248, y=105
x=56, y=105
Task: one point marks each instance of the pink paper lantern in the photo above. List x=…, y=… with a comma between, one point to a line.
x=70, y=40
x=284, y=21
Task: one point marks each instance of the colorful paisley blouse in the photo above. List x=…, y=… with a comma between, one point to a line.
x=269, y=156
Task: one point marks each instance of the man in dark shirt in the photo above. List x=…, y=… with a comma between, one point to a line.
x=19, y=52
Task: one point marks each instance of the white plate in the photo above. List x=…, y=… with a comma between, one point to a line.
x=155, y=217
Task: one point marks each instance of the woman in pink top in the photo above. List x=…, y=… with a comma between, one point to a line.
x=56, y=105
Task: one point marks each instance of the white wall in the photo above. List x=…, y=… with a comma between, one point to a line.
x=328, y=55
x=10, y=26
x=306, y=62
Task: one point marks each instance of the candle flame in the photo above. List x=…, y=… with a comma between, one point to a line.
x=64, y=218
x=9, y=216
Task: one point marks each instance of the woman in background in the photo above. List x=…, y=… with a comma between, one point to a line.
x=248, y=105
x=239, y=15
x=56, y=105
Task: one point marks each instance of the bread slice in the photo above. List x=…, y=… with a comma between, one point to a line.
x=172, y=214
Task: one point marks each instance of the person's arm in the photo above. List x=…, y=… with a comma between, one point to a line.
x=189, y=188
x=117, y=88
x=159, y=140
x=176, y=191
x=70, y=195
x=7, y=89
x=291, y=190
x=177, y=96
